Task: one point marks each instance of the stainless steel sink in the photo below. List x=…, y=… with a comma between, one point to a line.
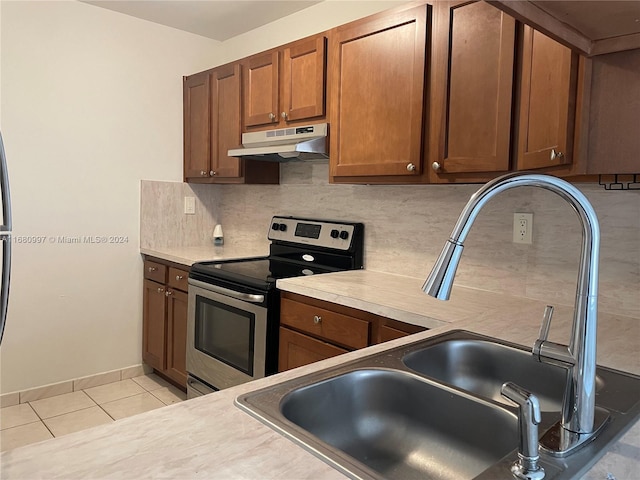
x=429, y=410
x=481, y=367
x=401, y=426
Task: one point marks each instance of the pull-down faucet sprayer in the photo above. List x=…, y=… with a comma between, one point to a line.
x=578, y=422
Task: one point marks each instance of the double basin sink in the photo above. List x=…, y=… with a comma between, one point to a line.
x=433, y=410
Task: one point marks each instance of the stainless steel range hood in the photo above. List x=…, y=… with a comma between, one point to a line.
x=291, y=144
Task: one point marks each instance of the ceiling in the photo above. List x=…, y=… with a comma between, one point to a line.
x=216, y=19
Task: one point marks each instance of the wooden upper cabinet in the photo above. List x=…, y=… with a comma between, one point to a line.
x=303, y=80
x=377, y=95
x=548, y=102
x=197, y=114
x=261, y=90
x=285, y=85
x=472, y=89
x=225, y=125
x=212, y=126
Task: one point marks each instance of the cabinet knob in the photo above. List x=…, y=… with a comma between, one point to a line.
x=160, y=289
x=435, y=166
x=284, y=115
x=167, y=293
x=203, y=173
x=152, y=269
x=272, y=117
x=213, y=173
x=411, y=167
x=317, y=319
x=553, y=155
x=179, y=277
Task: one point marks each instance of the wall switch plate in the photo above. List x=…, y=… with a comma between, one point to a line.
x=523, y=228
x=190, y=205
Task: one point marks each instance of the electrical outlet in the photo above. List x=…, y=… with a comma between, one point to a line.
x=189, y=205
x=523, y=228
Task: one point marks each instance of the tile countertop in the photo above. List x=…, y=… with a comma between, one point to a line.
x=208, y=437
x=189, y=255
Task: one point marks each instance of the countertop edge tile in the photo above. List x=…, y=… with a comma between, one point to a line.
x=188, y=255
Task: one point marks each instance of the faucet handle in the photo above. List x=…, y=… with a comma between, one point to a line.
x=546, y=323
x=544, y=332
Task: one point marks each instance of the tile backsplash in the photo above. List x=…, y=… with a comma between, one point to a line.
x=406, y=226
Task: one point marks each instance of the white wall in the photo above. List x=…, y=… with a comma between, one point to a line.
x=91, y=104
x=315, y=19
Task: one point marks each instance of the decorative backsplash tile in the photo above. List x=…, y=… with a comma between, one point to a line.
x=406, y=226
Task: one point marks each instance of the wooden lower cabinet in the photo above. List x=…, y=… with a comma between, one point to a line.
x=176, y=367
x=164, y=321
x=297, y=349
x=154, y=332
x=312, y=330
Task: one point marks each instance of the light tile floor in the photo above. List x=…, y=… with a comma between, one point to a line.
x=55, y=416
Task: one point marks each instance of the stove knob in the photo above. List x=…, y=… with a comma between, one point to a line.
x=344, y=235
x=334, y=233
x=275, y=226
x=283, y=227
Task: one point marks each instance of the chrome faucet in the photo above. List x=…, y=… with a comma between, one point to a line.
x=578, y=423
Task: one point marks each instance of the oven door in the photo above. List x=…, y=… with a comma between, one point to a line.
x=226, y=335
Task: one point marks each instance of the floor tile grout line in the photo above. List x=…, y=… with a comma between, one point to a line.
x=108, y=415
x=42, y=420
x=68, y=413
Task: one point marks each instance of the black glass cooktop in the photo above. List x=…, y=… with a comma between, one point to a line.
x=261, y=272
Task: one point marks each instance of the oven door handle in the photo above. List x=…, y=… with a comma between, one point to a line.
x=247, y=297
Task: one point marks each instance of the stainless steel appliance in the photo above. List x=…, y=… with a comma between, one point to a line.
x=5, y=237
x=234, y=306
x=303, y=143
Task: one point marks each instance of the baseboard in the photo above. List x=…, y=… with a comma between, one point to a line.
x=68, y=386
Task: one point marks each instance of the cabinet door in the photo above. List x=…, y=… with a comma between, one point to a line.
x=377, y=95
x=473, y=85
x=548, y=96
x=329, y=325
x=197, y=114
x=154, y=325
x=177, y=336
x=297, y=349
x=261, y=90
x=303, y=80
x=225, y=125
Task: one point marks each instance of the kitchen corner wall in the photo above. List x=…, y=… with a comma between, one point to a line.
x=91, y=103
x=406, y=226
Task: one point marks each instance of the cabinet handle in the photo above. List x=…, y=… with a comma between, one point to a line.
x=435, y=166
x=167, y=293
x=317, y=319
x=179, y=277
x=284, y=115
x=203, y=173
x=411, y=167
x=160, y=289
x=212, y=173
x=152, y=269
x=555, y=154
x=272, y=117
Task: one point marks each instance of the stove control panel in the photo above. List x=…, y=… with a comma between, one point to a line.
x=319, y=233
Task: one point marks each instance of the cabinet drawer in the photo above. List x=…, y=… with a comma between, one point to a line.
x=343, y=329
x=297, y=350
x=155, y=271
x=178, y=279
